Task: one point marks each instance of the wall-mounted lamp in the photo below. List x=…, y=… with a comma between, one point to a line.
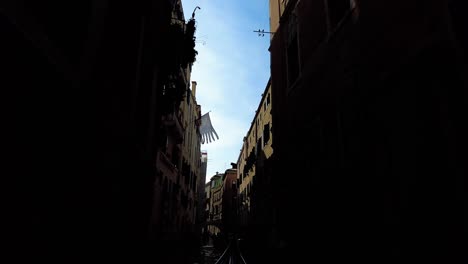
x=193, y=14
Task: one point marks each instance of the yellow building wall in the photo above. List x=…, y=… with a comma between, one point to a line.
x=276, y=11
x=216, y=199
x=255, y=133
x=191, y=145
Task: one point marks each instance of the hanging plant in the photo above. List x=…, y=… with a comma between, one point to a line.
x=189, y=51
x=179, y=52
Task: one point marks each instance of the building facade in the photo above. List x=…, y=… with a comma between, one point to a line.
x=179, y=171
x=363, y=128
x=103, y=75
x=207, y=206
x=98, y=89
x=216, y=205
x=202, y=215
x=229, y=207
x=191, y=155
x=255, y=201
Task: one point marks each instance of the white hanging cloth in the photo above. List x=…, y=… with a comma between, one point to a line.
x=207, y=130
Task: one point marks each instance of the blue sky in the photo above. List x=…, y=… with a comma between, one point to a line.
x=231, y=71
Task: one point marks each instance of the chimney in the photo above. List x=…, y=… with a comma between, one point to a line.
x=194, y=88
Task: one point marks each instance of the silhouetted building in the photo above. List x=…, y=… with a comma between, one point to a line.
x=229, y=209
x=368, y=100
x=178, y=160
x=88, y=83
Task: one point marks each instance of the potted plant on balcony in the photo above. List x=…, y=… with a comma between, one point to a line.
x=179, y=53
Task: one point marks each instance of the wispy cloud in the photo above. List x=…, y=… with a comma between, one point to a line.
x=231, y=70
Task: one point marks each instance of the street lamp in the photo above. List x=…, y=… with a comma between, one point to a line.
x=193, y=14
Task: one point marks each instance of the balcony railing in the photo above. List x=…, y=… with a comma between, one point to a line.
x=167, y=162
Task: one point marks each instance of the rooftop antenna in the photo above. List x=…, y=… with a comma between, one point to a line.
x=262, y=32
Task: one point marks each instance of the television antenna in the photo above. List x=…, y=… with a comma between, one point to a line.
x=262, y=32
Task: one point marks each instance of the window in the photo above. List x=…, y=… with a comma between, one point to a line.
x=266, y=133
x=259, y=146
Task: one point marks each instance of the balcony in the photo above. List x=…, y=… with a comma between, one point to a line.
x=169, y=167
x=174, y=127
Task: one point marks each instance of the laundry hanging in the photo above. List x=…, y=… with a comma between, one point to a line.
x=206, y=129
